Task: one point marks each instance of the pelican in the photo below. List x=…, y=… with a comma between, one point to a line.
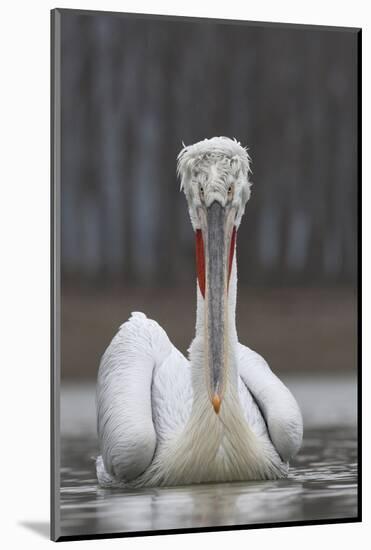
x=222, y=415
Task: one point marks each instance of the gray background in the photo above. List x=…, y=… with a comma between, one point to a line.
x=132, y=90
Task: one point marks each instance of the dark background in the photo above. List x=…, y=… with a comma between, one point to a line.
x=132, y=90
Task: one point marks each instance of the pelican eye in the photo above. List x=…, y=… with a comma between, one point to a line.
x=202, y=192
x=230, y=191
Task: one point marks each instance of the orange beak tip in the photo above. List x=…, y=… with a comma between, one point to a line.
x=216, y=403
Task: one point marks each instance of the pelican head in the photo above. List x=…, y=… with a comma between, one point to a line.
x=214, y=176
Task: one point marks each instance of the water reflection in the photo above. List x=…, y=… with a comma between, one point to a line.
x=322, y=485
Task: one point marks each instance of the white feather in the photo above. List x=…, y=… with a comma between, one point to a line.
x=157, y=427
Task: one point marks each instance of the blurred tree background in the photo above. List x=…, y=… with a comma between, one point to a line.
x=133, y=89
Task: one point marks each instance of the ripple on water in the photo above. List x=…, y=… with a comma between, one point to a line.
x=322, y=484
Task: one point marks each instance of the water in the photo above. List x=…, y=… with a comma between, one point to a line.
x=322, y=483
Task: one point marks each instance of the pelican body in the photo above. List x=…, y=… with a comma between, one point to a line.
x=221, y=415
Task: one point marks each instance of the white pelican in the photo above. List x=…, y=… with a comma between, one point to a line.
x=222, y=415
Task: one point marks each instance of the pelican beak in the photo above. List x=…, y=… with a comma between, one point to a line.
x=216, y=403
x=215, y=244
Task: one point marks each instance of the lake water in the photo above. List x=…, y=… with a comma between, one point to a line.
x=322, y=483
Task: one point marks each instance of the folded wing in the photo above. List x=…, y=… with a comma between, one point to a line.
x=124, y=408
x=278, y=406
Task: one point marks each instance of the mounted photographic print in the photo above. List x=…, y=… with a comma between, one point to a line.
x=205, y=192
